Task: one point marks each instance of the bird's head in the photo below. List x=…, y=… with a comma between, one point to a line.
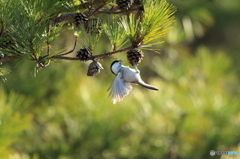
x=115, y=66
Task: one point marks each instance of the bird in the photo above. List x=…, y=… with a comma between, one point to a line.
x=125, y=76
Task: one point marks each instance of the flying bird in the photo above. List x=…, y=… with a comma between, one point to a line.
x=125, y=76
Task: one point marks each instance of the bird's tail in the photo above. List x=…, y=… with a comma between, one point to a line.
x=148, y=86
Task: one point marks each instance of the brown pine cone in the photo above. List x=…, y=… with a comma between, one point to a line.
x=84, y=54
x=134, y=56
x=93, y=26
x=94, y=68
x=124, y=4
x=80, y=18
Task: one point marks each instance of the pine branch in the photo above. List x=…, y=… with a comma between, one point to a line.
x=109, y=10
x=62, y=57
x=111, y=53
x=10, y=59
x=26, y=28
x=100, y=56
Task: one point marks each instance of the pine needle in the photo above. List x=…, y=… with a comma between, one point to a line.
x=157, y=20
x=115, y=32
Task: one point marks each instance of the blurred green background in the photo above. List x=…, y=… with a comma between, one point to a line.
x=64, y=114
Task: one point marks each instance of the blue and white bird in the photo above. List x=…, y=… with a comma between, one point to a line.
x=125, y=76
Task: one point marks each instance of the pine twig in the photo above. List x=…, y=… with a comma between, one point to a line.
x=110, y=10
x=100, y=56
x=61, y=57
x=74, y=46
x=10, y=58
x=64, y=17
x=110, y=53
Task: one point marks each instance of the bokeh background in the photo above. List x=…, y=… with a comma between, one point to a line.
x=63, y=114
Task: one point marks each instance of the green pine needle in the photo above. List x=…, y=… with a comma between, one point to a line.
x=157, y=20
x=4, y=71
x=115, y=33
x=131, y=26
x=155, y=23
x=29, y=25
x=90, y=39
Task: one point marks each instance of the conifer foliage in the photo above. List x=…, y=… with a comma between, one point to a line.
x=28, y=28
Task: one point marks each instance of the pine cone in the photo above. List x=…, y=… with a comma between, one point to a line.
x=94, y=68
x=134, y=56
x=93, y=26
x=84, y=54
x=80, y=18
x=124, y=4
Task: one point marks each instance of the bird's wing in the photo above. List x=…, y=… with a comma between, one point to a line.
x=119, y=89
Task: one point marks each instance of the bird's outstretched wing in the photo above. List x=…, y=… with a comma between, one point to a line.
x=119, y=89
